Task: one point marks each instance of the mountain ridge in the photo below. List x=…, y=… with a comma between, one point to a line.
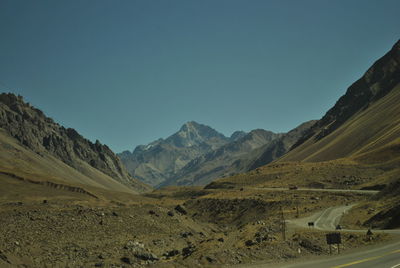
x=157, y=161
x=355, y=145
x=41, y=135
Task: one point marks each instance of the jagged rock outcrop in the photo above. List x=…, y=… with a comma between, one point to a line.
x=158, y=161
x=39, y=133
x=221, y=161
x=257, y=148
x=197, y=154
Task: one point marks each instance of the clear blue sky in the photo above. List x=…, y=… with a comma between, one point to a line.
x=128, y=72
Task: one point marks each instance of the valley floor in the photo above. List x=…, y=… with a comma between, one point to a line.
x=173, y=227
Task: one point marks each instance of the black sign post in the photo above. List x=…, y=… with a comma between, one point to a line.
x=333, y=238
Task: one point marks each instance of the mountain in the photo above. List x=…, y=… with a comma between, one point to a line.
x=355, y=145
x=278, y=147
x=216, y=163
x=34, y=147
x=257, y=148
x=237, y=135
x=158, y=161
x=348, y=128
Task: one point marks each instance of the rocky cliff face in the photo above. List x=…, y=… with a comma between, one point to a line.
x=40, y=133
x=255, y=149
x=221, y=161
x=278, y=147
x=378, y=81
x=195, y=134
x=158, y=161
x=197, y=154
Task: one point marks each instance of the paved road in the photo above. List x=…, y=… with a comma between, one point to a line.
x=328, y=219
x=369, y=192
x=376, y=256
x=386, y=256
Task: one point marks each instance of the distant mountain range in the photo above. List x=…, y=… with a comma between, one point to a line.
x=198, y=154
x=156, y=162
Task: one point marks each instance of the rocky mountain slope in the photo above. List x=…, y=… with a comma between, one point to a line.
x=156, y=162
x=257, y=148
x=34, y=146
x=355, y=145
x=322, y=140
x=218, y=162
x=270, y=152
x=197, y=159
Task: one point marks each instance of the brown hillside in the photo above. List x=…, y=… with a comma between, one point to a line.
x=365, y=132
x=356, y=144
x=35, y=149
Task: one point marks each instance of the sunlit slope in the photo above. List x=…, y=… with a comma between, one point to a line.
x=18, y=162
x=365, y=132
x=356, y=144
x=36, y=149
x=363, y=152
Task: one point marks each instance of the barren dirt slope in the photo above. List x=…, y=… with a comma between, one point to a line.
x=18, y=162
x=366, y=131
x=363, y=119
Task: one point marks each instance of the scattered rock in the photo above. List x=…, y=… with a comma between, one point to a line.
x=140, y=252
x=146, y=256
x=188, y=251
x=126, y=260
x=172, y=253
x=170, y=213
x=180, y=209
x=186, y=234
x=209, y=259
x=221, y=239
x=250, y=243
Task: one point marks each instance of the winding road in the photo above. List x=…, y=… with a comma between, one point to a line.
x=377, y=256
x=374, y=256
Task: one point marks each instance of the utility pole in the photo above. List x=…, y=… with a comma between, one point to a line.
x=283, y=225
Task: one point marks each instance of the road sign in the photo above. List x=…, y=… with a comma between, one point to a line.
x=333, y=238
